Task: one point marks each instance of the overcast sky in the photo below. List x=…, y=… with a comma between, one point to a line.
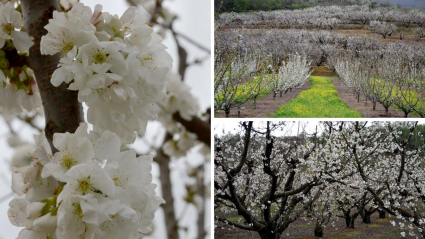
x=195, y=22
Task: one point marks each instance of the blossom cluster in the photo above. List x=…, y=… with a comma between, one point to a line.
x=18, y=90
x=89, y=188
x=118, y=65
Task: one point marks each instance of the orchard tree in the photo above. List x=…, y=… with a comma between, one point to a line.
x=382, y=28
x=294, y=72
x=230, y=73
x=83, y=179
x=255, y=171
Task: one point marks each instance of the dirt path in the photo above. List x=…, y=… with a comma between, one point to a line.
x=363, y=107
x=379, y=228
x=265, y=105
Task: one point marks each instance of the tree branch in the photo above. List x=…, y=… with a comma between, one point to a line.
x=62, y=110
x=165, y=177
x=197, y=126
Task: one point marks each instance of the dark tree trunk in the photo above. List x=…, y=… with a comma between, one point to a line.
x=281, y=93
x=347, y=219
x=381, y=214
x=374, y=105
x=352, y=220
x=366, y=218
x=318, y=230
x=227, y=111
x=274, y=95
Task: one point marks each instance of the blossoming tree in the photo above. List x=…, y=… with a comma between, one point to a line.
x=349, y=169
x=84, y=179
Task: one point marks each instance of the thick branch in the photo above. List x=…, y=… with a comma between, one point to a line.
x=201, y=128
x=62, y=110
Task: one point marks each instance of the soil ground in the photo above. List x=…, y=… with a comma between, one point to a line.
x=378, y=229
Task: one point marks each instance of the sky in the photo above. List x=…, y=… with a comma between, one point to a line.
x=195, y=22
x=291, y=128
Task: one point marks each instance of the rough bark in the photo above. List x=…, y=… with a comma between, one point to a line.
x=366, y=218
x=62, y=110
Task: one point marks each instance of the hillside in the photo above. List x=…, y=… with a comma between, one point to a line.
x=407, y=3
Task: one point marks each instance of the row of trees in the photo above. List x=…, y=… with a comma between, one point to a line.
x=239, y=77
x=341, y=170
x=362, y=63
x=388, y=81
x=322, y=17
x=258, y=5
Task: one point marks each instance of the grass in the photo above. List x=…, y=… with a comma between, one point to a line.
x=320, y=101
x=241, y=91
x=397, y=92
x=234, y=219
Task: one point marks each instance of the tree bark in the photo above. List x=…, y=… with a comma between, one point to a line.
x=62, y=110
x=366, y=218
x=318, y=230
x=197, y=126
x=381, y=214
x=167, y=193
x=201, y=215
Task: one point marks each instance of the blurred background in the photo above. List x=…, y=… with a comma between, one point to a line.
x=192, y=28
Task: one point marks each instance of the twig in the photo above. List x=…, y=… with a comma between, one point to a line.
x=28, y=120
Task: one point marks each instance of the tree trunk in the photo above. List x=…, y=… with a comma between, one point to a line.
x=366, y=218
x=227, y=113
x=274, y=95
x=352, y=220
x=374, y=105
x=62, y=110
x=281, y=93
x=381, y=214
x=386, y=110
x=347, y=219
x=318, y=230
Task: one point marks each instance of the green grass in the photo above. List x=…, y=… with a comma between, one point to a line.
x=320, y=101
x=242, y=89
x=397, y=92
x=234, y=219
